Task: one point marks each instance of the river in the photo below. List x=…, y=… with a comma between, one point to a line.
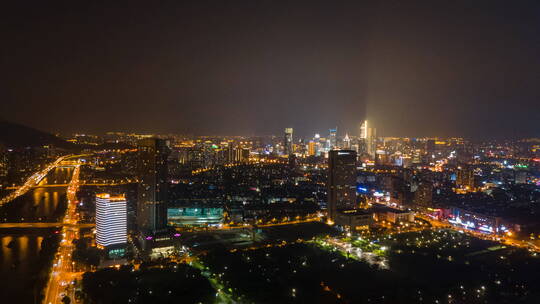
x=22, y=258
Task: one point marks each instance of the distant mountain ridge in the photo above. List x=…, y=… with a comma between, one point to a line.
x=13, y=135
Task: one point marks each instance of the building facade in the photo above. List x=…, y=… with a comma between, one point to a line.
x=465, y=178
x=288, y=141
x=341, y=181
x=152, y=188
x=111, y=220
x=332, y=139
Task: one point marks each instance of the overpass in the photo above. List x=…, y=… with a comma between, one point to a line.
x=43, y=225
x=40, y=186
x=32, y=181
x=65, y=185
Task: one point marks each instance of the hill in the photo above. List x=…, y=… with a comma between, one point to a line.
x=14, y=135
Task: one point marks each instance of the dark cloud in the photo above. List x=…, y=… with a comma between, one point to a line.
x=466, y=68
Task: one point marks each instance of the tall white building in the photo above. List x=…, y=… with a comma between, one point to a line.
x=288, y=142
x=346, y=142
x=369, y=137
x=111, y=219
x=363, y=130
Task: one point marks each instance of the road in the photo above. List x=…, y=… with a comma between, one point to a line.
x=32, y=181
x=247, y=226
x=222, y=295
x=503, y=239
x=66, y=185
x=63, y=271
x=42, y=225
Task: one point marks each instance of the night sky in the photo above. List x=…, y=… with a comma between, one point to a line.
x=464, y=68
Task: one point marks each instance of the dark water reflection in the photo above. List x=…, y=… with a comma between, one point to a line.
x=20, y=263
x=20, y=248
x=45, y=204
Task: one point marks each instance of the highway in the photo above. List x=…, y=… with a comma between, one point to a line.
x=31, y=181
x=66, y=185
x=43, y=225
x=63, y=271
x=41, y=186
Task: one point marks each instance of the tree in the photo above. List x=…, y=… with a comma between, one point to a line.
x=66, y=300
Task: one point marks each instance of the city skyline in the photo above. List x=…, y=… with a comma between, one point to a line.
x=355, y=133
x=234, y=152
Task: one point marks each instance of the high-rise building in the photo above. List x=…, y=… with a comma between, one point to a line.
x=3, y=163
x=111, y=219
x=363, y=130
x=346, y=142
x=381, y=158
x=230, y=153
x=241, y=155
x=193, y=157
x=332, y=139
x=368, y=139
x=341, y=181
x=317, y=140
x=371, y=142
x=465, y=178
x=288, y=142
x=152, y=189
x=312, y=148
x=423, y=196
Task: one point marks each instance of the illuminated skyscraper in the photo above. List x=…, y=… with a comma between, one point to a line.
x=341, y=181
x=317, y=140
x=111, y=220
x=152, y=189
x=465, y=178
x=312, y=146
x=332, y=139
x=367, y=139
x=363, y=130
x=346, y=142
x=288, y=142
x=371, y=142
x=3, y=163
x=241, y=155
